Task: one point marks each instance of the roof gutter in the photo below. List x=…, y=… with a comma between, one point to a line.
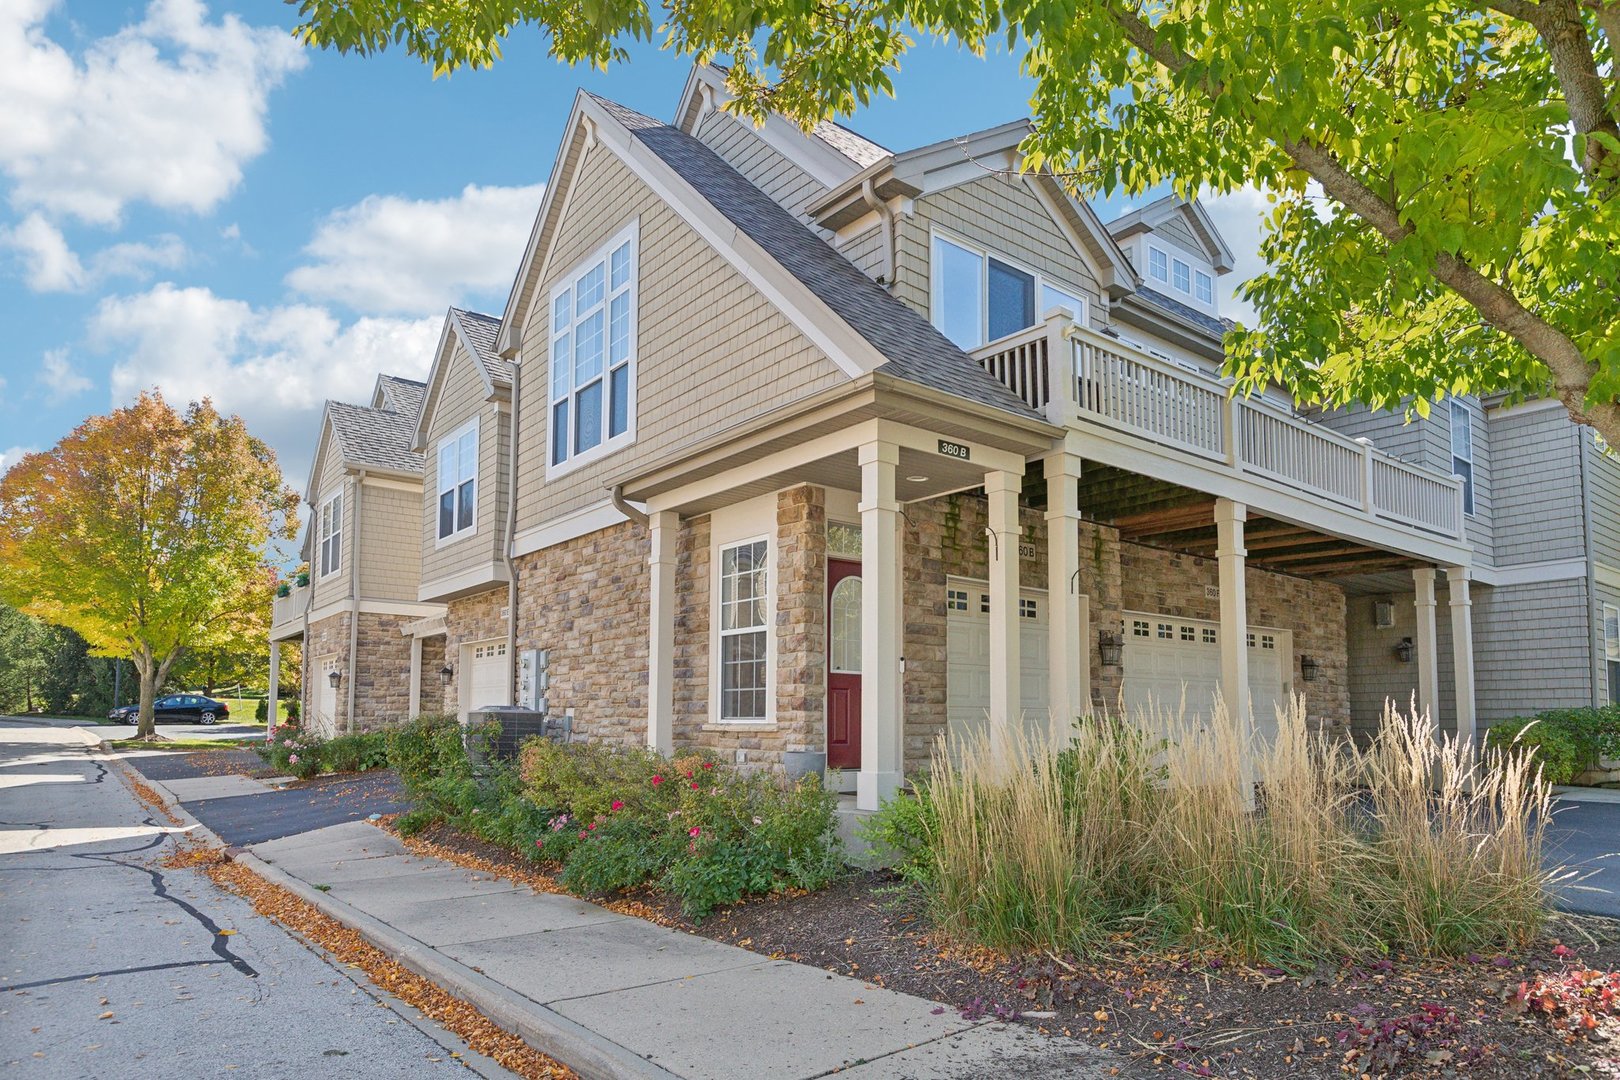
x=886, y=216
x=616, y=494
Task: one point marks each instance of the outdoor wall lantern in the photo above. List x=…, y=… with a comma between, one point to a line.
x=446, y=673
x=334, y=677
x=1309, y=668
x=1404, y=650
x=1111, y=646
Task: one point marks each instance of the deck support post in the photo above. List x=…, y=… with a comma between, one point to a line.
x=664, y=530
x=882, y=715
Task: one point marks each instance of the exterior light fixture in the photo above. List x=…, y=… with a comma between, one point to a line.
x=1404, y=650
x=334, y=677
x=446, y=673
x=1111, y=647
x=1309, y=668
x=916, y=479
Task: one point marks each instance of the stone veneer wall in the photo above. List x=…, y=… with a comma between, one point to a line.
x=382, y=673
x=432, y=664
x=586, y=602
x=478, y=617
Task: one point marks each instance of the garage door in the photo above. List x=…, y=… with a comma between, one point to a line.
x=488, y=679
x=967, y=658
x=1165, y=655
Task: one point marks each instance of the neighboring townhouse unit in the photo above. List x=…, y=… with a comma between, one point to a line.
x=825, y=450
x=1542, y=507
x=364, y=556
x=460, y=657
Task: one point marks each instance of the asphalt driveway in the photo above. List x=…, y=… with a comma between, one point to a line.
x=313, y=804
x=1584, y=837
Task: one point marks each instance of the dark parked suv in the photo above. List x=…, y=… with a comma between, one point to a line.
x=177, y=709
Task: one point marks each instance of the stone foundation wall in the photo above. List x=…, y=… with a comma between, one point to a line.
x=382, y=674
x=432, y=663
x=586, y=602
x=479, y=617
x=327, y=644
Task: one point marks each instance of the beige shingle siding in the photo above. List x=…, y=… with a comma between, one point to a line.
x=748, y=153
x=390, y=560
x=1603, y=470
x=1175, y=230
x=998, y=214
x=866, y=251
x=1537, y=506
x=462, y=397
x=330, y=479
x=709, y=344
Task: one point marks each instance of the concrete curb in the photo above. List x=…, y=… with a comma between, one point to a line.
x=590, y=1055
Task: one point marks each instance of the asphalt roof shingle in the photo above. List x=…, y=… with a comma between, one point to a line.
x=401, y=395
x=481, y=331
x=1204, y=321
x=858, y=148
x=914, y=349
x=380, y=438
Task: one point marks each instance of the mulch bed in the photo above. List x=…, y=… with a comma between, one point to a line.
x=1169, y=1014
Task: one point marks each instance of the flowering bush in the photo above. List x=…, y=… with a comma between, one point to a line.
x=620, y=818
x=295, y=752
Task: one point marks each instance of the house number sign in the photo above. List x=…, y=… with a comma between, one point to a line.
x=954, y=450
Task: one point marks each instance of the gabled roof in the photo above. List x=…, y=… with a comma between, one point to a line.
x=476, y=333
x=1192, y=212
x=397, y=394
x=374, y=438
x=910, y=346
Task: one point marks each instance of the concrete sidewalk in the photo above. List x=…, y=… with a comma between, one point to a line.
x=617, y=996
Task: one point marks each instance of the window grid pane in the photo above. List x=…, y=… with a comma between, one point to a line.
x=591, y=354
x=744, y=648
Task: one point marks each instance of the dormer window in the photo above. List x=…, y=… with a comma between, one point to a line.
x=979, y=297
x=1158, y=265
x=1203, y=287
x=1181, y=276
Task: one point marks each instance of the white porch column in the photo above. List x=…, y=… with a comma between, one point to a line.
x=882, y=719
x=275, y=683
x=415, y=708
x=1006, y=702
x=1234, y=632
x=664, y=527
x=1427, y=643
x=1462, y=649
x=1068, y=660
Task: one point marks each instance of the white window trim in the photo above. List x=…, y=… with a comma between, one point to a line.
x=1471, y=500
x=322, y=535
x=935, y=315
x=631, y=233
x=717, y=548
x=1174, y=253
x=478, y=486
x=1611, y=646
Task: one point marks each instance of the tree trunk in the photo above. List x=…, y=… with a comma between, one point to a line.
x=146, y=723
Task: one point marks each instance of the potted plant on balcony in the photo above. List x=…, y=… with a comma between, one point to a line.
x=303, y=578
x=284, y=588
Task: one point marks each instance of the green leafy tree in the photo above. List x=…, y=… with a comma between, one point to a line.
x=144, y=531
x=25, y=658
x=1444, y=174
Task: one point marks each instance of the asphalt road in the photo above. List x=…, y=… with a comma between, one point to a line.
x=1584, y=837
x=113, y=965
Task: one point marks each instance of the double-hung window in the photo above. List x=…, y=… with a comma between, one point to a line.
x=593, y=345
x=1158, y=265
x=744, y=644
x=1181, y=276
x=978, y=297
x=1203, y=287
x=458, y=482
x=1611, y=649
x=1462, y=451
x=330, y=530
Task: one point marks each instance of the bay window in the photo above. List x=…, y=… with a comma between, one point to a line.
x=593, y=344
x=977, y=297
x=744, y=646
x=458, y=482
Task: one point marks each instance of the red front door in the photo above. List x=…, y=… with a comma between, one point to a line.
x=843, y=664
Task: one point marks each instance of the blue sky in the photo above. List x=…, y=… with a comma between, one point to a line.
x=193, y=201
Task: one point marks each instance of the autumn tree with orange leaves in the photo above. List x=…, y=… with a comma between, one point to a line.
x=145, y=531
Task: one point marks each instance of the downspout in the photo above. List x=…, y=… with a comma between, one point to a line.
x=1594, y=613
x=886, y=215
x=354, y=594
x=511, y=526
x=616, y=494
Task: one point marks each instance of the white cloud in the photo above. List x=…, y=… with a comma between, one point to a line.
x=275, y=366
x=1240, y=217
x=388, y=253
x=165, y=111
x=50, y=265
x=10, y=457
x=59, y=378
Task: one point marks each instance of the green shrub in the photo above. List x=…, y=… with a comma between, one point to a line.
x=301, y=754
x=428, y=748
x=616, y=818
x=356, y=753
x=903, y=831
x=1565, y=742
x=261, y=711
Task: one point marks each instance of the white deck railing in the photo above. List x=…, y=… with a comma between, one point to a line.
x=1100, y=380
x=285, y=609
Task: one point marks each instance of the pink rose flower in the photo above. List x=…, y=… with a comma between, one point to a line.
x=696, y=830
x=617, y=804
x=657, y=780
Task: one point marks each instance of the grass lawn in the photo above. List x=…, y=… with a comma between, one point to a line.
x=183, y=745
x=242, y=710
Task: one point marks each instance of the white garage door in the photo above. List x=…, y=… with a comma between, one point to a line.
x=967, y=659
x=1166, y=655
x=488, y=677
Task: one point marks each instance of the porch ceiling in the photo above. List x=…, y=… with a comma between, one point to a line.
x=1156, y=513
